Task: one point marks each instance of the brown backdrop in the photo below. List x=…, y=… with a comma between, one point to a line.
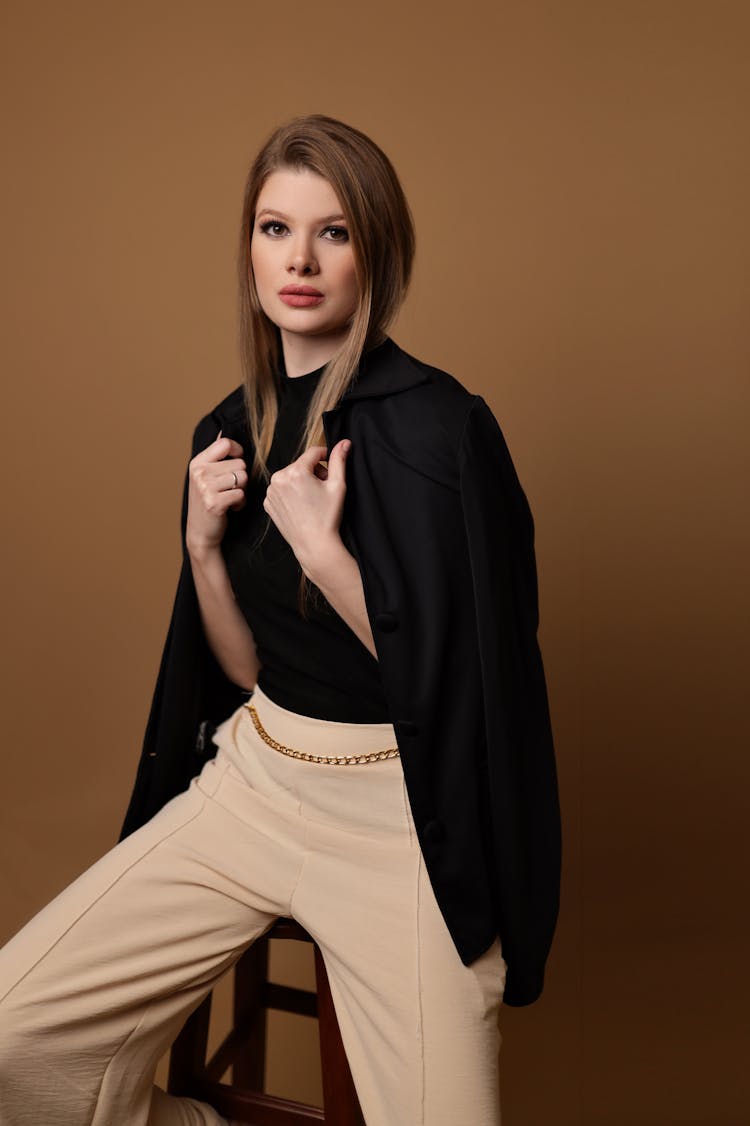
x=579, y=178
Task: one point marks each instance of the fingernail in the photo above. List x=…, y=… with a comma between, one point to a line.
x=217, y=436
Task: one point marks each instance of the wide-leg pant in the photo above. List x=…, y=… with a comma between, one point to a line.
x=96, y=986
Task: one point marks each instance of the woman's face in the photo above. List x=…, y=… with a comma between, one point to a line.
x=300, y=241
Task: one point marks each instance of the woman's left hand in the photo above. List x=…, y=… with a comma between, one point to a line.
x=306, y=502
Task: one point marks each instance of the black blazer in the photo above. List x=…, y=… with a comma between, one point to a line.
x=444, y=538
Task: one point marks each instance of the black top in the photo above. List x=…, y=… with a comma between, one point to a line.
x=318, y=666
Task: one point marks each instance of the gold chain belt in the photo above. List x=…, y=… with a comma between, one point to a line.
x=332, y=760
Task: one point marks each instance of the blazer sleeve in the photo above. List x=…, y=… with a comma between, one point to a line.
x=520, y=763
x=192, y=693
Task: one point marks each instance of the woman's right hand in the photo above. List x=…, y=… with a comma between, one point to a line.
x=212, y=492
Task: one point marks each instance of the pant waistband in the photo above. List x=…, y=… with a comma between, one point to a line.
x=272, y=710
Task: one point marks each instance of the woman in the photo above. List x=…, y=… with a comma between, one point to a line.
x=350, y=723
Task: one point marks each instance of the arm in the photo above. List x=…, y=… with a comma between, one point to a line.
x=336, y=573
x=307, y=508
x=227, y=632
x=205, y=503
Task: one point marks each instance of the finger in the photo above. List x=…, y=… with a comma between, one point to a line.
x=220, y=448
x=230, y=466
x=217, y=478
x=337, y=460
x=227, y=443
x=229, y=480
x=310, y=458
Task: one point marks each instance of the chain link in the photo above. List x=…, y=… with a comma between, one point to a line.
x=331, y=760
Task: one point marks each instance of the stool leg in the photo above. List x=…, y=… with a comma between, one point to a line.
x=250, y=977
x=340, y=1101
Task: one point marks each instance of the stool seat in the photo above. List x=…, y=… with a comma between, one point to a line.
x=244, y=1048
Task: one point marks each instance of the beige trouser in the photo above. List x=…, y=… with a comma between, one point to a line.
x=95, y=988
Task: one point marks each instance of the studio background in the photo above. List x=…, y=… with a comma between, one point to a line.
x=578, y=174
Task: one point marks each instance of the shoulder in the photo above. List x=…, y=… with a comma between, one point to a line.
x=472, y=413
x=449, y=431
x=230, y=408
x=409, y=412
x=228, y=415
x=439, y=405
x=434, y=381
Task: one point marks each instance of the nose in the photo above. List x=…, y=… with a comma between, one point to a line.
x=302, y=261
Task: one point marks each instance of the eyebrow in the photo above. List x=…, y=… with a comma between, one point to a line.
x=281, y=215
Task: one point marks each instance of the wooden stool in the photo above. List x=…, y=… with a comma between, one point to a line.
x=244, y=1048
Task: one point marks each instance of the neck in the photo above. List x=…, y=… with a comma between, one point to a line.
x=306, y=353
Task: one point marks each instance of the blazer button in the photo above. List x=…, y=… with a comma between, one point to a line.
x=406, y=727
x=386, y=621
x=433, y=832
x=203, y=738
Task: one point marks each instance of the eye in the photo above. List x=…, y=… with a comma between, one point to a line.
x=337, y=234
x=272, y=227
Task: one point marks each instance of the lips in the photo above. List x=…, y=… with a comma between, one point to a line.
x=300, y=296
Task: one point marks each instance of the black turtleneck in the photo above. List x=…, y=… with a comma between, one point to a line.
x=315, y=666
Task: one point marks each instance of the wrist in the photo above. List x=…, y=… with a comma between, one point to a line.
x=202, y=552
x=328, y=555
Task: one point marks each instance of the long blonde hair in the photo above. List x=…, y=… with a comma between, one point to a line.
x=382, y=236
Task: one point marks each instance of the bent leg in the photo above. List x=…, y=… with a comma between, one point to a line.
x=96, y=986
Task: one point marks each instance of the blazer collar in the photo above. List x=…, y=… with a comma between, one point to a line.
x=384, y=370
